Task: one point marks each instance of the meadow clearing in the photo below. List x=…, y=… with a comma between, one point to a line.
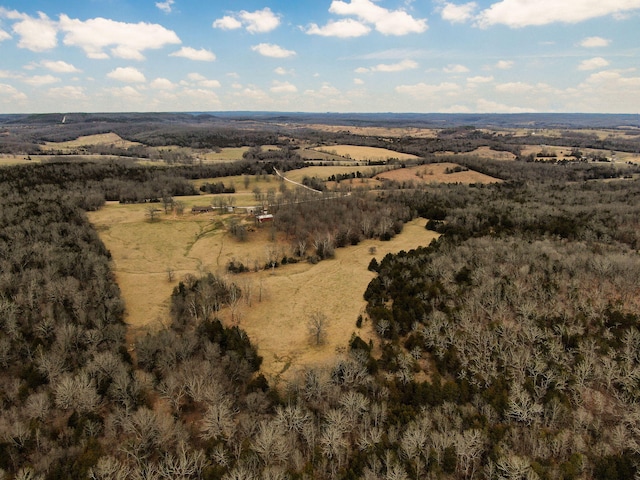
x=436, y=172
x=359, y=153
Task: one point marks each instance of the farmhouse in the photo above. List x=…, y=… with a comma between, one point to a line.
x=200, y=209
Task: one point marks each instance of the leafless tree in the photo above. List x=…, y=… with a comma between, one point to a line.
x=317, y=324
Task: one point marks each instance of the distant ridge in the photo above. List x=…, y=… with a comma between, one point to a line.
x=424, y=120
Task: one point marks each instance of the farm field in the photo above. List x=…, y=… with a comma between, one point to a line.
x=280, y=300
x=482, y=152
x=437, y=172
x=360, y=153
x=111, y=139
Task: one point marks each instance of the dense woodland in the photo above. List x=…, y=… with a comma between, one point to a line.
x=507, y=349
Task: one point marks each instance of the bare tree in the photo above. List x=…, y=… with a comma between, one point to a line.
x=317, y=323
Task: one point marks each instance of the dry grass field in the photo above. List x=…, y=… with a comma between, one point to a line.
x=10, y=159
x=324, y=172
x=436, y=172
x=378, y=131
x=276, y=303
x=482, y=152
x=359, y=153
x=89, y=140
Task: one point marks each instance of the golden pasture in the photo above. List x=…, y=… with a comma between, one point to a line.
x=276, y=302
x=436, y=172
x=360, y=153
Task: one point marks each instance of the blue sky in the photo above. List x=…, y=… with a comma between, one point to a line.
x=503, y=56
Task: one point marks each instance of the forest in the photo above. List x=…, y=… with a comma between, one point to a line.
x=506, y=349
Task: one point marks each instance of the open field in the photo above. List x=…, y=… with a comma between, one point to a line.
x=10, y=159
x=324, y=172
x=378, y=131
x=482, y=152
x=111, y=139
x=436, y=172
x=280, y=300
x=360, y=153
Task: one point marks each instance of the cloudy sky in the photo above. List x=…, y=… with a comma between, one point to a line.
x=320, y=55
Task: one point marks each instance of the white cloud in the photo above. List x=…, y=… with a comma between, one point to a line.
x=358, y=81
x=227, y=23
x=128, y=93
x=202, y=81
x=127, y=74
x=385, y=21
x=283, y=71
x=458, y=13
x=595, y=42
x=39, y=80
x=514, y=88
x=455, y=69
x=347, y=28
x=479, y=79
x=504, y=64
x=259, y=21
x=201, y=95
x=59, y=66
x=593, y=63
x=4, y=35
x=128, y=40
x=283, y=87
x=10, y=94
x=36, y=34
x=165, y=6
x=163, y=84
x=523, y=13
x=390, y=67
x=422, y=90
x=201, y=55
x=271, y=50
x=69, y=92
x=489, y=106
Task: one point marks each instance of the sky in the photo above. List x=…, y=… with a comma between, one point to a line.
x=422, y=56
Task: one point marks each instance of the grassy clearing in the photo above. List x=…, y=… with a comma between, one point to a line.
x=437, y=172
x=9, y=159
x=276, y=302
x=89, y=140
x=359, y=153
x=324, y=172
x=482, y=152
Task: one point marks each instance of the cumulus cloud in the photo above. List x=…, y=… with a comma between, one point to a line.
x=458, y=13
x=4, y=35
x=201, y=55
x=489, y=106
x=166, y=6
x=259, y=21
x=283, y=87
x=271, y=50
x=593, y=63
x=127, y=75
x=479, y=79
x=128, y=40
x=595, y=42
x=10, y=94
x=455, y=69
x=70, y=92
x=514, y=88
x=358, y=81
x=504, y=64
x=59, y=66
x=347, y=28
x=390, y=67
x=283, y=71
x=40, y=80
x=385, y=21
x=201, y=81
x=163, y=84
x=36, y=34
x=523, y=13
x=422, y=90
